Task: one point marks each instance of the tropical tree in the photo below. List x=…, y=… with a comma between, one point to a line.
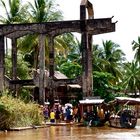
x=131, y=81
x=136, y=48
x=23, y=69
x=15, y=12
x=103, y=87
x=71, y=65
x=97, y=58
x=111, y=59
x=42, y=11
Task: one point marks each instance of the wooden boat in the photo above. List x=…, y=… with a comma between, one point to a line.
x=93, y=112
x=126, y=116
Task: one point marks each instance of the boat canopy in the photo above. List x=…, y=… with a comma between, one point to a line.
x=128, y=100
x=91, y=101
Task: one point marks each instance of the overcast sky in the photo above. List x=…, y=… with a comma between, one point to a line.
x=124, y=11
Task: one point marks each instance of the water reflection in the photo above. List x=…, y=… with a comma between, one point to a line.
x=73, y=133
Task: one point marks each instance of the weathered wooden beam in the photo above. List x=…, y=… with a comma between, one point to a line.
x=51, y=84
x=2, y=56
x=14, y=64
x=86, y=4
x=51, y=57
x=89, y=66
x=55, y=28
x=42, y=78
x=22, y=82
x=86, y=43
x=98, y=31
x=14, y=58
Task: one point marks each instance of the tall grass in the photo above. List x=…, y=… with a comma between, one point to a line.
x=16, y=113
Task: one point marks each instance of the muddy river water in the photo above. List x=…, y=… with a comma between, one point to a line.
x=73, y=133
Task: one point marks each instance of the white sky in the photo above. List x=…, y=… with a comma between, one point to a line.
x=124, y=11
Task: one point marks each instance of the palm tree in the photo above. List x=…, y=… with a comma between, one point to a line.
x=131, y=81
x=71, y=64
x=112, y=59
x=136, y=47
x=97, y=58
x=15, y=12
x=42, y=11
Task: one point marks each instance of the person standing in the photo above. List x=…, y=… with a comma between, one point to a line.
x=57, y=115
x=52, y=116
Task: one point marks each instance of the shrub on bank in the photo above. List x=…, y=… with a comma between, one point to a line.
x=16, y=113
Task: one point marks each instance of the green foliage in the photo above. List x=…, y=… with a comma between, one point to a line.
x=25, y=94
x=103, y=86
x=71, y=69
x=15, y=13
x=15, y=113
x=136, y=48
x=44, y=10
x=109, y=58
x=131, y=79
x=23, y=69
x=70, y=66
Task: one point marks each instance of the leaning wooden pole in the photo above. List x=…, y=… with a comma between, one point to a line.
x=2, y=55
x=42, y=69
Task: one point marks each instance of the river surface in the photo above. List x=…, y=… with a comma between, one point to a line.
x=73, y=133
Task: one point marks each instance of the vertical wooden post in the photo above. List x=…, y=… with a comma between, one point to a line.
x=2, y=56
x=42, y=79
x=86, y=41
x=14, y=58
x=51, y=68
x=90, y=69
x=14, y=63
x=51, y=57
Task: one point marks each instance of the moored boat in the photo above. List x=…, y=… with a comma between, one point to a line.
x=93, y=112
x=126, y=115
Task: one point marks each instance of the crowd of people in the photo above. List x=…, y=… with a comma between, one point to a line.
x=61, y=113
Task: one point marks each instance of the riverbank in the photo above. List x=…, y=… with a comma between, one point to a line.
x=26, y=128
x=47, y=124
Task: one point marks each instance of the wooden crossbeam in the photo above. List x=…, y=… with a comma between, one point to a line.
x=93, y=26
x=22, y=82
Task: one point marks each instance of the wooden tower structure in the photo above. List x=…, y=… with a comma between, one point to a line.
x=87, y=27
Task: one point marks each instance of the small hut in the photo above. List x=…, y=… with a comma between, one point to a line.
x=60, y=89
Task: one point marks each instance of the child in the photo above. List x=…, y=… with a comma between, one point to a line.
x=52, y=116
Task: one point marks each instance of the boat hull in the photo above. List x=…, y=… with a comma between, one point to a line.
x=118, y=123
